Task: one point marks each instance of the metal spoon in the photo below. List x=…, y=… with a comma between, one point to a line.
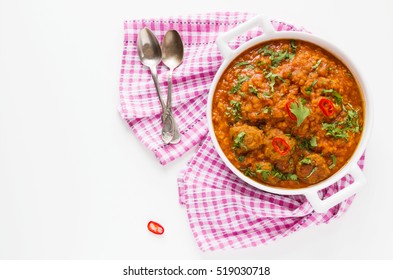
x=149, y=52
x=172, y=57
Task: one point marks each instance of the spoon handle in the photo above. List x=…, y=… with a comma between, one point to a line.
x=153, y=71
x=170, y=132
x=176, y=134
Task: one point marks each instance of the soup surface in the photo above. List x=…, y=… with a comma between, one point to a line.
x=287, y=113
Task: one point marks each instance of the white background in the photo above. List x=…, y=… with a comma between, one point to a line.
x=76, y=184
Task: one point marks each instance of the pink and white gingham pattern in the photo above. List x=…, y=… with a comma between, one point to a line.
x=139, y=104
x=223, y=211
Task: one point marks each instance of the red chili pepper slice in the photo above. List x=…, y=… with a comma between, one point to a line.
x=290, y=114
x=326, y=106
x=280, y=146
x=155, y=228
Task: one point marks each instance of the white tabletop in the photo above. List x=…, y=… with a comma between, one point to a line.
x=76, y=184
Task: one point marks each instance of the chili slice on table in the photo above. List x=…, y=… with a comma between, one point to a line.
x=280, y=146
x=290, y=114
x=326, y=106
x=155, y=228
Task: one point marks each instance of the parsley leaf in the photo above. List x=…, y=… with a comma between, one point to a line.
x=293, y=46
x=340, y=129
x=300, y=111
x=336, y=95
x=242, y=63
x=313, y=142
x=315, y=66
x=305, y=161
x=253, y=90
x=312, y=172
x=240, y=81
x=234, y=110
x=308, y=89
x=241, y=158
x=238, y=141
x=334, y=161
x=272, y=79
x=283, y=176
x=263, y=172
x=249, y=172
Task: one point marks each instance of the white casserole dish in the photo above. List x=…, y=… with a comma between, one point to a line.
x=351, y=167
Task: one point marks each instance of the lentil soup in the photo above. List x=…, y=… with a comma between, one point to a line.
x=287, y=113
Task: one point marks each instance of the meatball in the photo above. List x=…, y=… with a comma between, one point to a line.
x=312, y=169
x=246, y=138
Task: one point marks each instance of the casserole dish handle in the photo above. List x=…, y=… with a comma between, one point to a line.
x=223, y=40
x=322, y=206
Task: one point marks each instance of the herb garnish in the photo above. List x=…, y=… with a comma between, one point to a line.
x=315, y=66
x=240, y=81
x=313, y=142
x=300, y=111
x=241, y=158
x=238, y=141
x=263, y=172
x=340, y=129
x=266, y=94
x=234, y=110
x=308, y=89
x=267, y=110
x=334, y=161
x=305, y=161
x=312, y=172
x=275, y=57
x=293, y=46
x=283, y=176
x=249, y=172
x=336, y=95
x=253, y=90
x=272, y=79
x=242, y=63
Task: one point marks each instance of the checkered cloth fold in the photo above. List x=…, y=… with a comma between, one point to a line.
x=223, y=211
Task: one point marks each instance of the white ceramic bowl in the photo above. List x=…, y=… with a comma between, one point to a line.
x=351, y=167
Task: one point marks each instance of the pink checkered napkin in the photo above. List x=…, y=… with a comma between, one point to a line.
x=225, y=212
x=139, y=104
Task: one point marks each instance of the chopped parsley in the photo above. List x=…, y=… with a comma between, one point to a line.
x=249, y=172
x=340, y=129
x=272, y=79
x=306, y=144
x=338, y=99
x=241, y=158
x=308, y=89
x=283, y=176
x=312, y=172
x=276, y=57
x=240, y=81
x=263, y=172
x=253, y=90
x=300, y=111
x=334, y=161
x=238, y=141
x=266, y=94
x=315, y=66
x=234, y=110
x=267, y=110
x=293, y=46
x=305, y=161
x=313, y=142
x=242, y=63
